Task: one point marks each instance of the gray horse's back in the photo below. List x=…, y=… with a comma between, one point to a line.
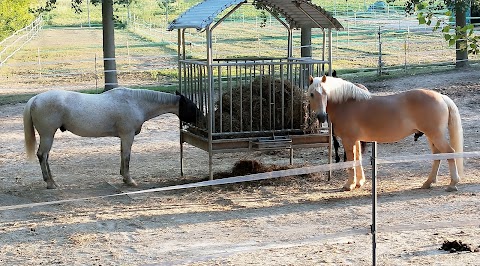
x=87, y=115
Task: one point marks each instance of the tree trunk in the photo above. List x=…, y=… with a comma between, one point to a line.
x=109, y=64
x=461, y=44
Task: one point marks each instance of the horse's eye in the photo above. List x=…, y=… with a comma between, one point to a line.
x=311, y=94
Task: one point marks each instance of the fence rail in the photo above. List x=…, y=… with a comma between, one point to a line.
x=12, y=44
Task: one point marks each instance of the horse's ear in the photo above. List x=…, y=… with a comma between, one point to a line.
x=310, y=79
x=334, y=73
x=177, y=93
x=324, y=78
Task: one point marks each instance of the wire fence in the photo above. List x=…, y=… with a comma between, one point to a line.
x=146, y=52
x=12, y=44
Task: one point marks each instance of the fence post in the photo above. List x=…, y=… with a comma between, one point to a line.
x=405, y=46
x=39, y=63
x=96, y=74
x=373, y=227
x=380, y=63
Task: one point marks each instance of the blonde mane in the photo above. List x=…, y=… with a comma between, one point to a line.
x=339, y=90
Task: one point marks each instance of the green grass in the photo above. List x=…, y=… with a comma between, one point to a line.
x=6, y=99
x=15, y=98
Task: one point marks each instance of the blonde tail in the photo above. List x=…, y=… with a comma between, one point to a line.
x=455, y=131
x=29, y=131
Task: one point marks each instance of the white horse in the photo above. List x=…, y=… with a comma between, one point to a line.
x=119, y=112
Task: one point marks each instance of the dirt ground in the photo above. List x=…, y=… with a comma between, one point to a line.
x=291, y=221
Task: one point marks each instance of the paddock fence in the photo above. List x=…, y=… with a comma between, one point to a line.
x=373, y=160
x=146, y=52
x=12, y=44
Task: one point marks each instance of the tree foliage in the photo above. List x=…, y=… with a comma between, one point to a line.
x=432, y=13
x=76, y=5
x=14, y=15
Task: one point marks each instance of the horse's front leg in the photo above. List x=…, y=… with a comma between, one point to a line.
x=125, y=151
x=360, y=176
x=336, y=146
x=349, y=147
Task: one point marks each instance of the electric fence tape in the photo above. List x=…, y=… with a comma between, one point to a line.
x=262, y=176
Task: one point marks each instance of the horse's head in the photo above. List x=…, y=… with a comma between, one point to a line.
x=317, y=96
x=188, y=110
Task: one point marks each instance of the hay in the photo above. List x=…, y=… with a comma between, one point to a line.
x=247, y=167
x=257, y=106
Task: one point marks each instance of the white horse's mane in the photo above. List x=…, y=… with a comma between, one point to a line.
x=339, y=90
x=152, y=96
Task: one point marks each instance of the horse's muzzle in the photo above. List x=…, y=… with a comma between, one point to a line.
x=322, y=117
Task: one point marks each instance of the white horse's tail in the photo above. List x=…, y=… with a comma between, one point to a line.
x=29, y=131
x=455, y=131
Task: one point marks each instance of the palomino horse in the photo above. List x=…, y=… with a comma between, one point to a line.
x=119, y=113
x=357, y=115
x=336, y=144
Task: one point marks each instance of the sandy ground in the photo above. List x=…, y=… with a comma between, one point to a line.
x=292, y=221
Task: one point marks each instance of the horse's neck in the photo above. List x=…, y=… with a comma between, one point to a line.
x=155, y=103
x=348, y=92
x=334, y=109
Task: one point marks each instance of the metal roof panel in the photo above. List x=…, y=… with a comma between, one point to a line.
x=202, y=14
x=298, y=13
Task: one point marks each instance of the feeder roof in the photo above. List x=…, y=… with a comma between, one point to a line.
x=298, y=13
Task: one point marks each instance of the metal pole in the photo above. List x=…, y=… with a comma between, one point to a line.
x=374, y=203
x=88, y=13
x=380, y=63
x=210, y=93
x=96, y=74
x=39, y=63
x=180, y=56
x=329, y=52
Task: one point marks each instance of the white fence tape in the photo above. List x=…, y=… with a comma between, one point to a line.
x=263, y=176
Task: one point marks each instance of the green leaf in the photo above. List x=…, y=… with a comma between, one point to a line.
x=448, y=13
x=447, y=37
x=421, y=5
x=446, y=29
x=421, y=20
x=451, y=42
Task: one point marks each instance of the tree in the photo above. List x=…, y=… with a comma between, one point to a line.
x=109, y=62
x=14, y=15
x=463, y=36
x=167, y=5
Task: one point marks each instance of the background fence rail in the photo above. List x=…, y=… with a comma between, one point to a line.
x=146, y=52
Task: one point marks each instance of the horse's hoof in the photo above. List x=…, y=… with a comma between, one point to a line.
x=426, y=186
x=130, y=182
x=348, y=187
x=52, y=185
x=451, y=188
x=360, y=184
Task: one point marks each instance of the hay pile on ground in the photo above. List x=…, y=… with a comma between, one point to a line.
x=247, y=167
x=260, y=106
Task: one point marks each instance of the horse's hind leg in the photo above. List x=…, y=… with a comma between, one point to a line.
x=359, y=169
x=443, y=146
x=42, y=154
x=432, y=178
x=125, y=150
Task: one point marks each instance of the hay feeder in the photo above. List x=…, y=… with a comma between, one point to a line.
x=252, y=103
